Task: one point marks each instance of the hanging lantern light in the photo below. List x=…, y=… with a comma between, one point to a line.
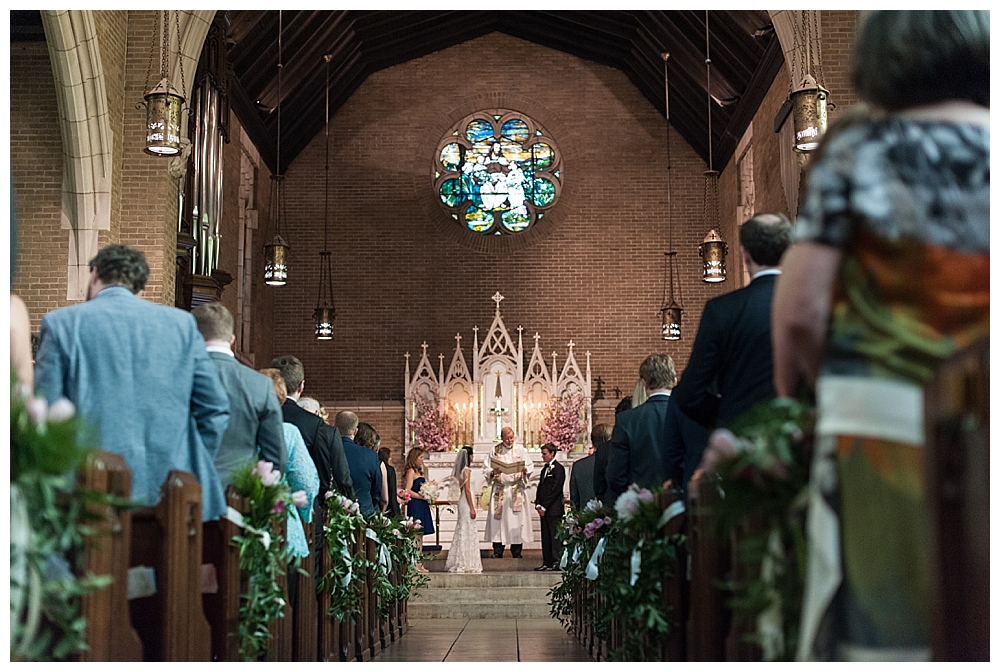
x=809, y=99
x=276, y=252
x=325, y=312
x=670, y=313
x=164, y=104
x=713, y=257
x=808, y=114
x=713, y=249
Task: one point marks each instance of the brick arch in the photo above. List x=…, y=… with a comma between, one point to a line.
x=444, y=226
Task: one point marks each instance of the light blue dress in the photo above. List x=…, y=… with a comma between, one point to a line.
x=300, y=474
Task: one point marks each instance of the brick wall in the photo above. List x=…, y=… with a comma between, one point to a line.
x=399, y=279
x=36, y=170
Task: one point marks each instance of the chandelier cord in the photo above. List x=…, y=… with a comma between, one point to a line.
x=326, y=200
x=278, y=163
x=708, y=90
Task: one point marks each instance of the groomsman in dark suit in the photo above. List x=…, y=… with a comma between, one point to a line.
x=255, y=423
x=637, y=447
x=731, y=364
x=549, y=503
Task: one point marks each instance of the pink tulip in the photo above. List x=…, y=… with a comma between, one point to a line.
x=328, y=495
x=598, y=523
x=588, y=531
x=279, y=506
x=300, y=499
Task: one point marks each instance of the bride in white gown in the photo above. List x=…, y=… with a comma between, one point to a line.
x=463, y=556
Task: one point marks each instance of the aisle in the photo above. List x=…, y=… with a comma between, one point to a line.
x=484, y=640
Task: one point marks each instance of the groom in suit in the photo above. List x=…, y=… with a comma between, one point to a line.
x=731, y=364
x=549, y=503
x=139, y=375
x=255, y=424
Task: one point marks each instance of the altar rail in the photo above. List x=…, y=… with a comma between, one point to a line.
x=957, y=468
x=194, y=613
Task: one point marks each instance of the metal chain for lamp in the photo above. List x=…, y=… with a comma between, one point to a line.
x=713, y=249
x=325, y=312
x=163, y=103
x=670, y=313
x=276, y=252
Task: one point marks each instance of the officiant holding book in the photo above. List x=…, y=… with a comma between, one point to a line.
x=508, y=520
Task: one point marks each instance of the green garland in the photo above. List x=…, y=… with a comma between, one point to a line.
x=49, y=514
x=264, y=555
x=345, y=578
x=381, y=586
x=764, y=487
x=405, y=555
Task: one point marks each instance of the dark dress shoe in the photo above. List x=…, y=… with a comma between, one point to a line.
x=497, y=555
x=515, y=555
x=543, y=568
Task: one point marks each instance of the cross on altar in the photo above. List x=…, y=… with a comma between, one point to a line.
x=497, y=410
x=498, y=297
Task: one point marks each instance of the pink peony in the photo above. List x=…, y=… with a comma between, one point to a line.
x=300, y=499
x=645, y=496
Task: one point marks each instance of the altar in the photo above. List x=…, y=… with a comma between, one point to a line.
x=470, y=403
x=474, y=402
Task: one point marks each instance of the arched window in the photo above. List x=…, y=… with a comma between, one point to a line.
x=497, y=172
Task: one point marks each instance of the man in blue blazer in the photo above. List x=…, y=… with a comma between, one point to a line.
x=636, y=451
x=731, y=365
x=366, y=470
x=139, y=376
x=255, y=428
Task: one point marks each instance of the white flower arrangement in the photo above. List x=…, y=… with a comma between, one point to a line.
x=430, y=491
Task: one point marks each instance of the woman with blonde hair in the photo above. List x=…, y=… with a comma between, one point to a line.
x=417, y=507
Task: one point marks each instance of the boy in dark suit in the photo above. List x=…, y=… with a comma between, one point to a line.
x=549, y=502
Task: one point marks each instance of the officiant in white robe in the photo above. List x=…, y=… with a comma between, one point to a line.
x=508, y=520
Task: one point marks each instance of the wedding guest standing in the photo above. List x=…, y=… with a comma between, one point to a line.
x=417, y=508
x=889, y=275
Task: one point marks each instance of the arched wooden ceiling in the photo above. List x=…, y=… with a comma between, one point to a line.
x=744, y=50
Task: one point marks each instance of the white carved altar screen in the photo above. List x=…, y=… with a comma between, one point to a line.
x=497, y=390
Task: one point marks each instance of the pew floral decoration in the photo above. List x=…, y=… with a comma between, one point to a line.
x=48, y=528
x=345, y=578
x=408, y=554
x=431, y=426
x=580, y=533
x=763, y=470
x=563, y=421
x=264, y=554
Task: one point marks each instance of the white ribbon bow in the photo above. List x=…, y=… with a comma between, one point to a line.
x=347, y=561
x=564, y=558
x=236, y=518
x=383, y=554
x=592, y=565
x=671, y=512
x=636, y=563
x=577, y=550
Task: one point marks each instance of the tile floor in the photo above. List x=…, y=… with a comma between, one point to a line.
x=484, y=640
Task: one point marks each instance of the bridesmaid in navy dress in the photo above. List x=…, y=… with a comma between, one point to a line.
x=418, y=508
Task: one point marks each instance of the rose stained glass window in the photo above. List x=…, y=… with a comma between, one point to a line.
x=497, y=173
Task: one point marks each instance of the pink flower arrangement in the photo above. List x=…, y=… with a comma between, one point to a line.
x=348, y=505
x=432, y=427
x=564, y=421
x=279, y=506
x=403, y=495
x=412, y=524
x=268, y=475
x=629, y=502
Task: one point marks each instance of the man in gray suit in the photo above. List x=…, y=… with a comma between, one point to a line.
x=255, y=424
x=139, y=376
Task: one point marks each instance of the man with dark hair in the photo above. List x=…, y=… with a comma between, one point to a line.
x=549, y=503
x=583, y=476
x=731, y=365
x=366, y=472
x=322, y=441
x=255, y=420
x=636, y=450
x=139, y=375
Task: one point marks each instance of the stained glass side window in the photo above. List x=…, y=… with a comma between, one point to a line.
x=497, y=173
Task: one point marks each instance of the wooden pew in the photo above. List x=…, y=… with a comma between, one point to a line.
x=709, y=618
x=675, y=589
x=738, y=649
x=957, y=406
x=168, y=538
x=328, y=629
x=305, y=623
x=281, y=644
x=222, y=608
x=110, y=636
